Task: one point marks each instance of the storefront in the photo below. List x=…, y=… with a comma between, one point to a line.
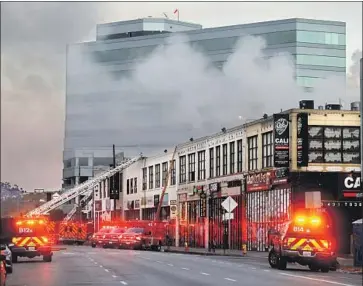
x=192, y=219
x=268, y=206
x=344, y=209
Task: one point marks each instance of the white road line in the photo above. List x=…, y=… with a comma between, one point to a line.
x=106, y=270
x=229, y=279
x=266, y=270
x=114, y=276
x=123, y=282
x=101, y=266
x=158, y=261
x=203, y=273
x=315, y=279
x=170, y=264
x=185, y=268
x=95, y=262
x=253, y=268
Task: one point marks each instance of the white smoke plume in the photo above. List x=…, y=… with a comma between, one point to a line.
x=177, y=93
x=172, y=95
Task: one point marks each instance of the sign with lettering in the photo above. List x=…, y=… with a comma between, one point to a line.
x=281, y=140
x=263, y=181
x=350, y=185
x=302, y=144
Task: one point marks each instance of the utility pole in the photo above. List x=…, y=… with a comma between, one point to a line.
x=114, y=178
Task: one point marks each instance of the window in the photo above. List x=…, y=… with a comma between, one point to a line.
x=307, y=81
x=131, y=186
x=191, y=162
x=239, y=156
x=252, y=153
x=218, y=161
x=157, y=176
x=320, y=38
x=128, y=186
x=144, y=179
x=164, y=174
x=173, y=173
x=267, y=150
x=151, y=177
x=334, y=144
x=315, y=60
x=182, y=169
x=135, y=185
x=225, y=156
x=211, y=163
x=232, y=161
x=201, y=165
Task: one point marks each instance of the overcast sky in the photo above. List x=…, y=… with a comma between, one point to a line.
x=33, y=40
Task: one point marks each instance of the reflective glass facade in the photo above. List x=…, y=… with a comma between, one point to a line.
x=317, y=46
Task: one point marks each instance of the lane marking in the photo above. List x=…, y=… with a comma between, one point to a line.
x=315, y=279
x=266, y=270
x=229, y=279
x=203, y=273
x=114, y=276
x=185, y=268
x=107, y=270
x=170, y=264
x=158, y=261
x=123, y=282
x=253, y=268
x=101, y=266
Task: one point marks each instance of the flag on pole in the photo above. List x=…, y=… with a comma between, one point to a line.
x=176, y=11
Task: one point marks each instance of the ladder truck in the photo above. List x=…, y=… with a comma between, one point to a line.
x=148, y=234
x=86, y=190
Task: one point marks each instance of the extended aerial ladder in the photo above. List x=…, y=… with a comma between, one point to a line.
x=85, y=188
x=88, y=196
x=171, y=166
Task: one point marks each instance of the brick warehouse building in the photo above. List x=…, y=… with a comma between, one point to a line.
x=266, y=166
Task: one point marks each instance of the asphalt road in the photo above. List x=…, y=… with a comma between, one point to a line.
x=84, y=265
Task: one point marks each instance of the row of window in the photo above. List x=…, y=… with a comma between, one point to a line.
x=321, y=38
x=228, y=43
x=320, y=61
x=160, y=176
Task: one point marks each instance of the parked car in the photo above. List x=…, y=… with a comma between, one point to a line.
x=5, y=250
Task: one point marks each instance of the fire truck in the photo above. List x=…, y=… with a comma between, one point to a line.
x=306, y=240
x=31, y=239
x=144, y=235
x=73, y=233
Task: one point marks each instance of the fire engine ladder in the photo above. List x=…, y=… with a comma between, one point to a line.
x=171, y=165
x=80, y=189
x=85, y=200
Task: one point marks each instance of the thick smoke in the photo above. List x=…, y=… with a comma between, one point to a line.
x=177, y=93
x=354, y=70
x=174, y=94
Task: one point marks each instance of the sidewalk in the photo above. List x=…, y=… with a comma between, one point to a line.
x=346, y=264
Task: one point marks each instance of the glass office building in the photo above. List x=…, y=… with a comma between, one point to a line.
x=318, y=47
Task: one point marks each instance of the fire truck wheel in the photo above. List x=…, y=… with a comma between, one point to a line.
x=93, y=245
x=47, y=258
x=325, y=269
x=14, y=259
x=282, y=263
x=314, y=267
x=273, y=259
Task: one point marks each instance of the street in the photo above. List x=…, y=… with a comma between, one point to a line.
x=87, y=266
